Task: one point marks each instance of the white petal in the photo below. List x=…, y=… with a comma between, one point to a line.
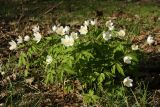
x=150, y=40
x=37, y=36
x=121, y=33
x=106, y=36
x=83, y=30
x=67, y=41
x=49, y=59
x=93, y=22
x=54, y=28
x=35, y=29
x=19, y=40
x=13, y=45
x=109, y=24
x=74, y=35
x=86, y=23
x=66, y=29
x=127, y=59
x=26, y=38
x=134, y=47
x=128, y=82
x=60, y=30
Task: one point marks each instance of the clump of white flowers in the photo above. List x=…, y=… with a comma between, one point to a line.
x=19, y=40
x=49, y=59
x=67, y=40
x=127, y=59
x=121, y=33
x=106, y=36
x=83, y=30
x=150, y=40
x=13, y=45
x=37, y=36
x=109, y=24
x=26, y=38
x=127, y=82
x=134, y=47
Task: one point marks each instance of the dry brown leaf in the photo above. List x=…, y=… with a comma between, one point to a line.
x=29, y=80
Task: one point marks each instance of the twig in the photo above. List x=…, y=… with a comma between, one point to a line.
x=22, y=14
x=135, y=98
x=127, y=105
x=52, y=8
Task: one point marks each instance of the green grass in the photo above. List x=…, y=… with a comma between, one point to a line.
x=70, y=10
x=75, y=12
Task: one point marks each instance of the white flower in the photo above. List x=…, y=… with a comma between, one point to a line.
x=54, y=28
x=127, y=59
x=107, y=36
x=60, y=30
x=26, y=38
x=35, y=28
x=109, y=24
x=13, y=45
x=93, y=22
x=83, y=30
x=121, y=33
x=150, y=40
x=37, y=36
x=67, y=41
x=66, y=29
x=74, y=35
x=2, y=73
x=19, y=40
x=49, y=59
x=134, y=47
x=86, y=23
x=128, y=82
x=111, y=27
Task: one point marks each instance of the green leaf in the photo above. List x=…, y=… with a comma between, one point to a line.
x=22, y=60
x=120, y=70
x=101, y=78
x=68, y=69
x=26, y=73
x=90, y=98
x=109, y=82
x=113, y=69
x=134, y=57
x=108, y=74
x=47, y=79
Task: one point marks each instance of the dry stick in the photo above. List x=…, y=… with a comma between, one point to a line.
x=52, y=8
x=22, y=14
x=127, y=105
x=154, y=97
x=135, y=97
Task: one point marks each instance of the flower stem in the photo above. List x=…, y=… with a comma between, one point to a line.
x=135, y=97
